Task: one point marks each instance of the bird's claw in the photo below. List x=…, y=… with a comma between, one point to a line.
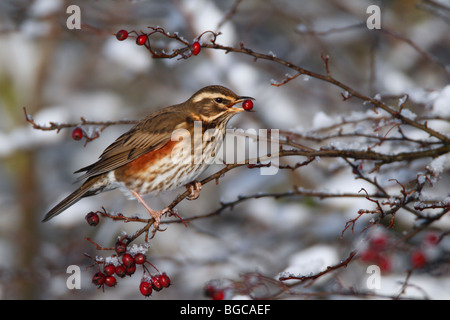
x=194, y=188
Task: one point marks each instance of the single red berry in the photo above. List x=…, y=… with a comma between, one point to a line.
x=141, y=40
x=109, y=269
x=379, y=241
x=432, y=239
x=369, y=255
x=140, y=258
x=384, y=263
x=131, y=269
x=208, y=290
x=164, y=280
x=127, y=260
x=121, y=271
x=218, y=295
x=247, y=105
x=146, y=288
x=196, y=47
x=122, y=35
x=99, y=278
x=77, y=133
x=418, y=259
x=92, y=218
x=110, y=281
x=156, y=284
x=214, y=293
x=120, y=247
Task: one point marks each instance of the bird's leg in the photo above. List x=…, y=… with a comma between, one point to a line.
x=156, y=215
x=194, y=187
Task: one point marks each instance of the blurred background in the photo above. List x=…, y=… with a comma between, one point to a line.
x=62, y=74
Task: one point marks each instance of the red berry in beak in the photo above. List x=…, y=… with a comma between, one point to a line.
x=247, y=105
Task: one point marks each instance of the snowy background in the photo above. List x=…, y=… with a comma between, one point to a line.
x=60, y=75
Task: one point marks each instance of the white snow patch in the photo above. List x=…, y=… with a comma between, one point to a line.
x=322, y=120
x=311, y=260
x=127, y=54
x=42, y=8
x=408, y=114
x=441, y=105
x=438, y=165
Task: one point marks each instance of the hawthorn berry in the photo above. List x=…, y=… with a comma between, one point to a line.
x=164, y=280
x=109, y=269
x=122, y=35
x=110, y=281
x=214, y=293
x=369, y=255
x=131, y=269
x=121, y=271
x=247, y=105
x=432, y=239
x=384, y=262
x=218, y=295
x=141, y=39
x=196, y=47
x=146, y=288
x=77, y=133
x=379, y=241
x=92, y=218
x=140, y=258
x=418, y=259
x=156, y=284
x=127, y=260
x=120, y=247
x=99, y=278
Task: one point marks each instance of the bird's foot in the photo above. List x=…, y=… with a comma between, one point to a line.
x=156, y=215
x=194, y=188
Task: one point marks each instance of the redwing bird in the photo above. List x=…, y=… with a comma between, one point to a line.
x=141, y=160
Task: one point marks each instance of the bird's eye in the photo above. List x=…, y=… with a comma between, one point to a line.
x=218, y=100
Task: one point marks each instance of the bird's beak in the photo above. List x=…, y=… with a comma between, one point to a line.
x=239, y=100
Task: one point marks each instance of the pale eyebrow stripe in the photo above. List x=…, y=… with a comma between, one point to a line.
x=205, y=95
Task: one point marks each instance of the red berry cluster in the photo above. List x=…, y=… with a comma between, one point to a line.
x=124, y=263
x=427, y=251
x=100, y=279
x=142, y=39
x=214, y=292
x=376, y=252
x=155, y=282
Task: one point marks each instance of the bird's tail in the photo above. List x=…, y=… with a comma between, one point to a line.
x=87, y=189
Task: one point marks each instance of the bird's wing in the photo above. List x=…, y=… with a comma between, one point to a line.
x=150, y=134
